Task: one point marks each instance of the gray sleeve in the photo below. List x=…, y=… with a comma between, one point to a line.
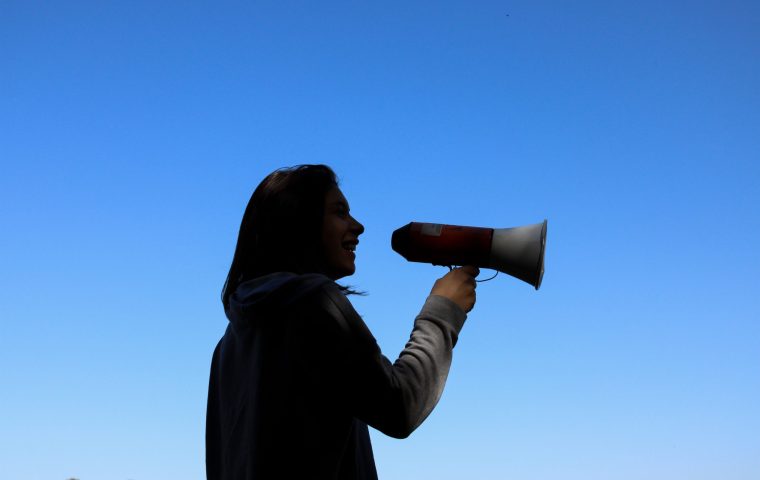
x=397, y=397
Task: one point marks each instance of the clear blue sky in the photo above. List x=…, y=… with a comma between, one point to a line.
x=133, y=133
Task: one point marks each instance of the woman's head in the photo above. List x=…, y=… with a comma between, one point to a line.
x=297, y=221
x=340, y=235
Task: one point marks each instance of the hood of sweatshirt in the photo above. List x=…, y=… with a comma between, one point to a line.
x=276, y=291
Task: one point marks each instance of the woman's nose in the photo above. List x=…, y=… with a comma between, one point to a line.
x=357, y=227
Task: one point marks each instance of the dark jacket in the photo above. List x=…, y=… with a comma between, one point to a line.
x=297, y=377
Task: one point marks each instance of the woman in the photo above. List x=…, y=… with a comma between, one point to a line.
x=297, y=376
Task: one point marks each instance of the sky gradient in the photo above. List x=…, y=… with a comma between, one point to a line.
x=133, y=133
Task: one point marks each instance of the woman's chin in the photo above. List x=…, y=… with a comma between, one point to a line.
x=343, y=271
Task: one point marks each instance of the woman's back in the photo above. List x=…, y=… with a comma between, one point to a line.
x=277, y=407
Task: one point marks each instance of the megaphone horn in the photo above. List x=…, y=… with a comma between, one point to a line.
x=519, y=251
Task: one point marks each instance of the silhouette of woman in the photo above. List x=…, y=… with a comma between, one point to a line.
x=297, y=376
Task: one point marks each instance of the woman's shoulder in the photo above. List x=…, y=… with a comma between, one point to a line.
x=334, y=309
x=330, y=298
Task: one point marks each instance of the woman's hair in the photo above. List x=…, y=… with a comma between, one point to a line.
x=281, y=229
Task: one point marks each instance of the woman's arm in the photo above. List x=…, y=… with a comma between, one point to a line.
x=393, y=398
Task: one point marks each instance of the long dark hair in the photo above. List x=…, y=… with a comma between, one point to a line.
x=282, y=226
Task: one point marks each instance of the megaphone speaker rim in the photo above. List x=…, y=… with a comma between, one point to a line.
x=541, y=255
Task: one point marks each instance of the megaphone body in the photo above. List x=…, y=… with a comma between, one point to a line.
x=517, y=251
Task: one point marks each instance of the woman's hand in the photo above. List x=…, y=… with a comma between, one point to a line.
x=458, y=286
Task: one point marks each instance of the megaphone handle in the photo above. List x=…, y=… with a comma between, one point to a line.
x=487, y=279
x=452, y=268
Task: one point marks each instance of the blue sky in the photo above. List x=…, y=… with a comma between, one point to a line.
x=133, y=133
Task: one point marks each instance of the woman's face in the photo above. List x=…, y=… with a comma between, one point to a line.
x=340, y=235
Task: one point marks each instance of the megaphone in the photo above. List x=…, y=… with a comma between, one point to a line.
x=517, y=251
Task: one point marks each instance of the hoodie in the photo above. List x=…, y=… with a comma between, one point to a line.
x=297, y=378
